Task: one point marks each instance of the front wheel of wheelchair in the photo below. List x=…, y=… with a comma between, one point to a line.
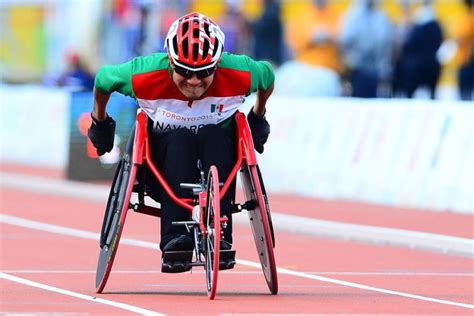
x=260, y=222
x=114, y=218
x=212, y=236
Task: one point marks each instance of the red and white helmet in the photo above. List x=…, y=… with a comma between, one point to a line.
x=194, y=42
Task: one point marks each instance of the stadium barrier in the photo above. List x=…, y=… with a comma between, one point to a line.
x=409, y=153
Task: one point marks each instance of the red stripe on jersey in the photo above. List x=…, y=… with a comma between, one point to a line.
x=155, y=85
x=158, y=85
x=229, y=83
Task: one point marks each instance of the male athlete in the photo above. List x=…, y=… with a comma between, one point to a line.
x=190, y=94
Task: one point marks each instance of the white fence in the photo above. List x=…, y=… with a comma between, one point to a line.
x=395, y=152
x=34, y=125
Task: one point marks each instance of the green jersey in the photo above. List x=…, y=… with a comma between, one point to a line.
x=148, y=80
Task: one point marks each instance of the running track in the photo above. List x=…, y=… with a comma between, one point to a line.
x=49, y=247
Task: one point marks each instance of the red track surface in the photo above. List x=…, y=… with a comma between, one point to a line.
x=69, y=263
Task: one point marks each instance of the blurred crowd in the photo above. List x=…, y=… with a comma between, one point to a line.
x=317, y=51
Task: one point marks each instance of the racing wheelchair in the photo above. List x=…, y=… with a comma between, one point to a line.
x=204, y=209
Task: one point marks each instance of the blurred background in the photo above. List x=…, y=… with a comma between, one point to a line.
x=372, y=100
x=44, y=41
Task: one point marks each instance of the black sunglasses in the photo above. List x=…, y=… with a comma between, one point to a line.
x=201, y=74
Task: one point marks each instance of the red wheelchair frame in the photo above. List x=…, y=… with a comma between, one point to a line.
x=205, y=207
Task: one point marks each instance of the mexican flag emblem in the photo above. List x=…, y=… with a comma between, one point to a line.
x=217, y=108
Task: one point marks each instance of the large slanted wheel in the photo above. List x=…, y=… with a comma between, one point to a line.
x=260, y=221
x=212, y=237
x=115, y=213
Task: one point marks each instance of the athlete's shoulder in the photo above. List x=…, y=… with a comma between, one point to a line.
x=260, y=74
x=236, y=62
x=149, y=63
x=243, y=63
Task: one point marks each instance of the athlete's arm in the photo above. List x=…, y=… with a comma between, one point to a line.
x=109, y=79
x=260, y=104
x=102, y=129
x=263, y=79
x=100, y=105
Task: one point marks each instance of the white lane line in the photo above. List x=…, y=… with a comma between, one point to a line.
x=282, y=222
x=124, y=306
x=13, y=220
x=349, y=273
x=358, y=285
x=22, y=222
x=376, y=235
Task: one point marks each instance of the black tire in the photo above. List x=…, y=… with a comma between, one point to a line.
x=115, y=213
x=260, y=222
x=267, y=205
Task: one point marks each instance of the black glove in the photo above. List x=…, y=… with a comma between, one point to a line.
x=101, y=134
x=260, y=130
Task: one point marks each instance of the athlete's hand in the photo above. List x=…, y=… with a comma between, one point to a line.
x=260, y=130
x=101, y=134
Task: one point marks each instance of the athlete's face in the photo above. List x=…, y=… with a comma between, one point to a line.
x=192, y=87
